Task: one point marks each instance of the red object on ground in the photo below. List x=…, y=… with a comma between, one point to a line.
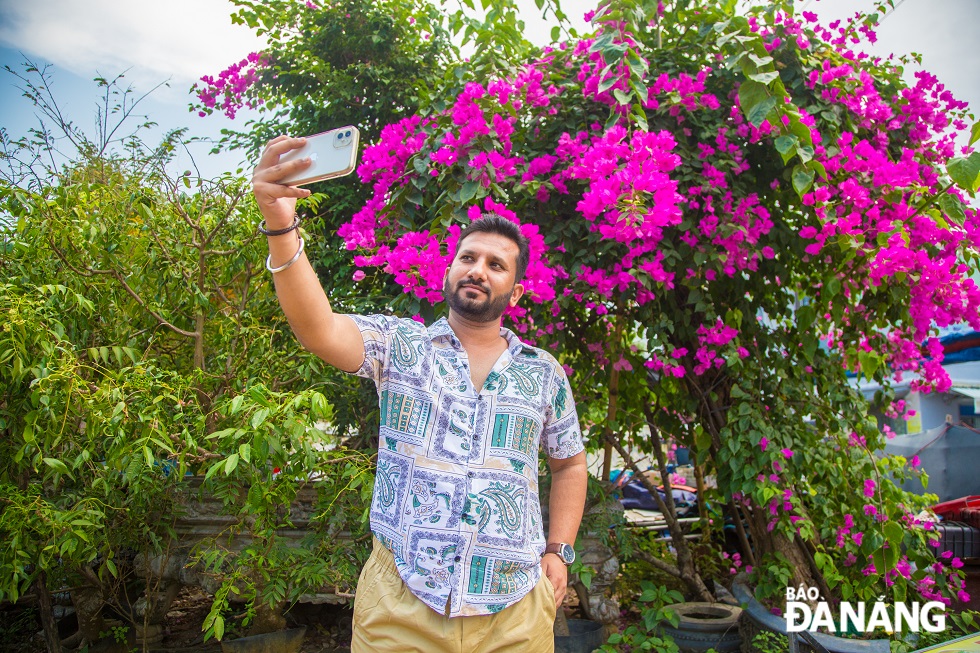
x=964, y=509
x=950, y=507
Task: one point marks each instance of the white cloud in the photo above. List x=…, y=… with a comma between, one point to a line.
x=178, y=40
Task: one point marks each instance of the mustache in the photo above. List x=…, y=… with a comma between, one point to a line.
x=472, y=282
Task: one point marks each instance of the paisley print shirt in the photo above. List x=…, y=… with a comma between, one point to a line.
x=456, y=490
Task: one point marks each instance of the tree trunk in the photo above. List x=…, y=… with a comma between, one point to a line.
x=769, y=542
x=268, y=619
x=686, y=569
x=610, y=416
x=51, y=637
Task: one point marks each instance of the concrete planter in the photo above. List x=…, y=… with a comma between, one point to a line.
x=282, y=641
x=755, y=618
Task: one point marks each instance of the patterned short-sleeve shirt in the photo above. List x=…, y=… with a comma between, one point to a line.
x=456, y=490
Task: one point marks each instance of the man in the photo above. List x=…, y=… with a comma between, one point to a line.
x=460, y=562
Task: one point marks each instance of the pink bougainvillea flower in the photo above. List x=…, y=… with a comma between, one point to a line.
x=869, y=488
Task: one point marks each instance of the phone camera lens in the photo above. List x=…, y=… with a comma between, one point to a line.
x=339, y=136
x=347, y=134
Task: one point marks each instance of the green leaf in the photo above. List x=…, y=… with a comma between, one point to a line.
x=613, y=53
x=702, y=439
x=952, y=207
x=751, y=93
x=802, y=179
x=764, y=78
x=621, y=96
x=607, y=83
x=786, y=144
x=259, y=417
x=236, y=404
x=245, y=451
x=555, y=33
x=974, y=133
x=869, y=363
x=899, y=592
x=832, y=288
x=468, y=191
x=217, y=435
x=965, y=171
x=758, y=113
x=893, y=533
x=810, y=345
x=148, y=455
x=212, y=470
x=756, y=101
x=57, y=466
x=648, y=595
x=641, y=118
x=231, y=463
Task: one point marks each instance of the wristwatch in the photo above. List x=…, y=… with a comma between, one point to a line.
x=564, y=551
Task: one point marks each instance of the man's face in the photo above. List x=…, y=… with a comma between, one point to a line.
x=479, y=284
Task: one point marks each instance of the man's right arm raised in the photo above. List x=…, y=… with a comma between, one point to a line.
x=334, y=338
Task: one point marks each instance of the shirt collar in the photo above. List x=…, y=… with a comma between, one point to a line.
x=440, y=329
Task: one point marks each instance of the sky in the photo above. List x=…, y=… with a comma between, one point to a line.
x=178, y=41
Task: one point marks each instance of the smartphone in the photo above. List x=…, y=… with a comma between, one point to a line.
x=334, y=154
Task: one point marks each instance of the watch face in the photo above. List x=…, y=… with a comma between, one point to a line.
x=567, y=553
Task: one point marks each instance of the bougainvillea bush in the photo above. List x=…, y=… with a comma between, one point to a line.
x=728, y=214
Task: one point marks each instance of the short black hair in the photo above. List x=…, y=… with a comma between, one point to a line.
x=492, y=223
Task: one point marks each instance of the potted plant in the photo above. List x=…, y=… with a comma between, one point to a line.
x=292, y=514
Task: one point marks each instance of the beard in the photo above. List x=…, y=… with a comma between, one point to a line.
x=488, y=309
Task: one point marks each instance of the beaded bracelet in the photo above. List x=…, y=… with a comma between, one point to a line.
x=279, y=232
x=268, y=260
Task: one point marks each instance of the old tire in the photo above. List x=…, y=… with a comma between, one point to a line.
x=703, y=626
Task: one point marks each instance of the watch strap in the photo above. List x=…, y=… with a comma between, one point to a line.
x=560, y=549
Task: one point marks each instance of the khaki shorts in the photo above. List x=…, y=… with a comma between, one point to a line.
x=389, y=618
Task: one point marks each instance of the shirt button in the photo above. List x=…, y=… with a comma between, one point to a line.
x=470, y=474
x=458, y=558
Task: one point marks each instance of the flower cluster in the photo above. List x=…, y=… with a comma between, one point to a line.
x=228, y=91
x=871, y=199
x=695, y=246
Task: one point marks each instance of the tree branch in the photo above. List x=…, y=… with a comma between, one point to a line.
x=139, y=300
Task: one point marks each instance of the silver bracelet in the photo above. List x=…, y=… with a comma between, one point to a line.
x=268, y=260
